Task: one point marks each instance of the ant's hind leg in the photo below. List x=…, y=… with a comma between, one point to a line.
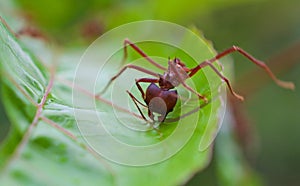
x=284, y=84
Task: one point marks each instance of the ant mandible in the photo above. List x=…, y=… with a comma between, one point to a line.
x=162, y=98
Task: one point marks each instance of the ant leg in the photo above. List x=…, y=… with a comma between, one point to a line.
x=136, y=101
x=206, y=63
x=127, y=42
x=141, y=69
x=144, y=80
x=195, y=92
x=188, y=113
x=150, y=80
x=182, y=79
x=288, y=85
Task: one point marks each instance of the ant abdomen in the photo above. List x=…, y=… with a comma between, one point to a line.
x=160, y=101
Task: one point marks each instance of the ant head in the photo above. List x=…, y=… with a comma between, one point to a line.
x=178, y=62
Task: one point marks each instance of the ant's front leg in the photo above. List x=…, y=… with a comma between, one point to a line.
x=182, y=77
x=141, y=69
x=144, y=80
x=127, y=42
x=136, y=101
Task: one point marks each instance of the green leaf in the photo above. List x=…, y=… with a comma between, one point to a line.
x=36, y=153
x=45, y=146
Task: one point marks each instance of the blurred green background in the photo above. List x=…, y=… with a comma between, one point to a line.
x=268, y=29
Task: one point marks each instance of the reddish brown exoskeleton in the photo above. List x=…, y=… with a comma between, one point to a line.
x=162, y=98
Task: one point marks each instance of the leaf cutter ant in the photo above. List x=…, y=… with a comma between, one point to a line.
x=161, y=98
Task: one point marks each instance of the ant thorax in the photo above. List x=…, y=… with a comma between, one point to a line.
x=174, y=76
